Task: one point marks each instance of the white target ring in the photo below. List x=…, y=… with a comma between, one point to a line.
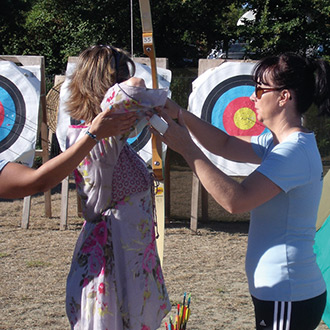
x=19, y=109
x=221, y=96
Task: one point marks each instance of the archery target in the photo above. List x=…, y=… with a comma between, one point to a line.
x=221, y=96
x=12, y=113
x=141, y=143
x=19, y=105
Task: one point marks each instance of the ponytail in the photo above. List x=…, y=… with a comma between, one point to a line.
x=322, y=86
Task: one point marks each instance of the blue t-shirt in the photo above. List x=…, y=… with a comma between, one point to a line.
x=3, y=163
x=280, y=261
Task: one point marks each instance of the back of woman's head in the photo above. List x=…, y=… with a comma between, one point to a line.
x=98, y=68
x=307, y=79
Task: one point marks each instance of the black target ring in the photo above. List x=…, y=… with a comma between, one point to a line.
x=224, y=86
x=16, y=126
x=229, y=107
x=141, y=140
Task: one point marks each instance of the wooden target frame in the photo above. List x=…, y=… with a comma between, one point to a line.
x=38, y=61
x=199, y=193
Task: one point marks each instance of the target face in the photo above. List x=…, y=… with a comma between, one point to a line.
x=19, y=110
x=140, y=141
x=12, y=113
x=228, y=107
x=221, y=96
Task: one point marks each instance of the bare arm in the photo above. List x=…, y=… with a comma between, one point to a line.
x=17, y=180
x=213, y=139
x=233, y=196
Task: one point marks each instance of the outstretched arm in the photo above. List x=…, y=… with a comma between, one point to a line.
x=233, y=196
x=17, y=181
x=213, y=139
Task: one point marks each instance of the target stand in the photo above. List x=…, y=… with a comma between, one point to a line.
x=18, y=141
x=53, y=100
x=53, y=103
x=221, y=96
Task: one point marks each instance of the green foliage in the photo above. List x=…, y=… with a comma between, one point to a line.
x=181, y=85
x=282, y=25
x=184, y=31
x=11, y=25
x=58, y=29
x=321, y=128
x=37, y=264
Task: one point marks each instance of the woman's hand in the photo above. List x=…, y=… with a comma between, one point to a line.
x=177, y=136
x=107, y=123
x=171, y=108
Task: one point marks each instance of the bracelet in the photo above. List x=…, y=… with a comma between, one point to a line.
x=93, y=136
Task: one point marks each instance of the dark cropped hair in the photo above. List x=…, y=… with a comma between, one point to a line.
x=308, y=79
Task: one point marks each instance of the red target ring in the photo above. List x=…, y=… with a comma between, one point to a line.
x=240, y=118
x=2, y=113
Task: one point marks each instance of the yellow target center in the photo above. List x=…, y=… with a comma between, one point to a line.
x=245, y=118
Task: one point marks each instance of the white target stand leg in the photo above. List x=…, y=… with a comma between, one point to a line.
x=64, y=203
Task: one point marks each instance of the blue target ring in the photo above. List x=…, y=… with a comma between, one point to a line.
x=12, y=113
x=229, y=100
x=138, y=142
x=223, y=101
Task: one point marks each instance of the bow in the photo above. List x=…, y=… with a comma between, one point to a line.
x=157, y=163
x=149, y=50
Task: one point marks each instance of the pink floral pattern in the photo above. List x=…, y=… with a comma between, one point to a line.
x=116, y=280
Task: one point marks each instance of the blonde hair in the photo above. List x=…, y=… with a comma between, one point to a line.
x=98, y=68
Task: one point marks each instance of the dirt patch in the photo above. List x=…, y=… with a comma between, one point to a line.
x=208, y=264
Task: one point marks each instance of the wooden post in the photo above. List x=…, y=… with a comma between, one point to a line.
x=44, y=133
x=203, y=65
x=194, y=203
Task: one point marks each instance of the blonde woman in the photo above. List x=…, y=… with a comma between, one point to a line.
x=116, y=280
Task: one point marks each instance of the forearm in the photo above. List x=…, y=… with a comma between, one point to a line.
x=59, y=167
x=218, y=142
x=17, y=181
x=230, y=194
x=209, y=136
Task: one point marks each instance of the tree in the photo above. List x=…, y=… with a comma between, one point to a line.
x=11, y=28
x=288, y=25
x=59, y=29
x=212, y=22
x=183, y=29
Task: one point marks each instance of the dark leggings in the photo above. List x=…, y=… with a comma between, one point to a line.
x=283, y=315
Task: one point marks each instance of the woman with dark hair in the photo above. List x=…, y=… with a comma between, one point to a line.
x=115, y=281
x=283, y=193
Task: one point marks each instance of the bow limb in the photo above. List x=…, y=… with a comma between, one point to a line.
x=149, y=50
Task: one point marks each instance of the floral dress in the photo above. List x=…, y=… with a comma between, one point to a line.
x=115, y=281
